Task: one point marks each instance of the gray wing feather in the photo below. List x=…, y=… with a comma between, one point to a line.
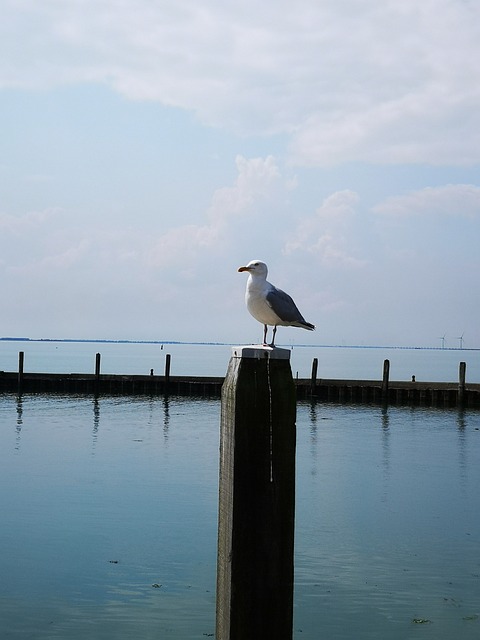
x=284, y=306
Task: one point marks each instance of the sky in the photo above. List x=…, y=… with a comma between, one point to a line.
x=149, y=148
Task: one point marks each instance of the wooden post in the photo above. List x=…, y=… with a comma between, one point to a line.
x=386, y=373
x=313, y=381
x=98, y=358
x=256, y=497
x=21, y=358
x=167, y=371
x=461, y=383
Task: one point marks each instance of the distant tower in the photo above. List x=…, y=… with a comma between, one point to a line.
x=460, y=340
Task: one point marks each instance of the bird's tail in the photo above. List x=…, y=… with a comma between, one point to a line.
x=306, y=325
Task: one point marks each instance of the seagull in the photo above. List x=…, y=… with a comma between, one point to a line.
x=269, y=305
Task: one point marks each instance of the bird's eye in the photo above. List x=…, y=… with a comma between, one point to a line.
x=256, y=264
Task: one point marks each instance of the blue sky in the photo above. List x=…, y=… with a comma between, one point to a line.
x=148, y=149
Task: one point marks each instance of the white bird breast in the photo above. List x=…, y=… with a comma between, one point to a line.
x=260, y=309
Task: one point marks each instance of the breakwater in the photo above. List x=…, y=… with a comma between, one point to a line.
x=84, y=383
x=430, y=394
x=385, y=391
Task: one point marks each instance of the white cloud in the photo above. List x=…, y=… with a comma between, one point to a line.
x=257, y=182
x=329, y=233
x=389, y=83
x=62, y=260
x=257, y=179
x=451, y=200
x=52, y=241
x=28, y=221
x=180, y=245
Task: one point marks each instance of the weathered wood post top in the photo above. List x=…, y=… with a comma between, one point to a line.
x=261, y=351
x=256, y=496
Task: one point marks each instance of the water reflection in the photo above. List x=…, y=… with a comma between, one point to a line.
x=385, y=424
x=19, y=410
x=385, y=419
x=313, y=434
x=461, y=420
x=96, y=422
x=18, y=427
x=166, y=416
x=462, y=445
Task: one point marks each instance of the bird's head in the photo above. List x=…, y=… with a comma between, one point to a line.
x=255, y=268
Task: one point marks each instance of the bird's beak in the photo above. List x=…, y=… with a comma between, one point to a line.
x=243, y=269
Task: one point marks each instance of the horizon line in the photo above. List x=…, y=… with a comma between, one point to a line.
x=231, y=344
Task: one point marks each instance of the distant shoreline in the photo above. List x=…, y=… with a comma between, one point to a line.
x=232, y=344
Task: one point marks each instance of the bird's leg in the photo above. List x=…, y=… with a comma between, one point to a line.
x=265, y=329
x=273, y=336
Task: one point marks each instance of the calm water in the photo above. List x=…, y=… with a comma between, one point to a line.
x=102, y=500
x=432, y=365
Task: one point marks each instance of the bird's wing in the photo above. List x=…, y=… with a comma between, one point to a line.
x=283, y=305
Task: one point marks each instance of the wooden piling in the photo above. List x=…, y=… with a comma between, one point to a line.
x=256, y=497
x=96, y=383
x=21, y=359
x=386, y=375
x=462, y=369
x=313, y=383
x=167, y=371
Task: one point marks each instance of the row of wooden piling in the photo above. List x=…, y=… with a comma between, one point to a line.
x=384, y=391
